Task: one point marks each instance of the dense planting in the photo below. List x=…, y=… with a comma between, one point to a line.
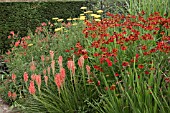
x=117, y=63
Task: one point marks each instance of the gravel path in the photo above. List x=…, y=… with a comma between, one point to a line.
x=4, y=108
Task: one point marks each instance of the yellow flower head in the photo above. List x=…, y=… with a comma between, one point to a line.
x=93, y=14
x=69, y=19
x=81, y=14
x=88, y=12
x=55, y=18
x=82, y=17
x=83, y=8
x=60, y=20
x=100, y=11
x=97, y=16
x=74, y=24
x=97, y=20
x=30, y=44
x=75, y=18
x=58, y=29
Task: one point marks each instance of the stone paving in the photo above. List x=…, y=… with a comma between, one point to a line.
x=4, y=108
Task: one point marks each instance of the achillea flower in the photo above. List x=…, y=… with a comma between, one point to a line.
x=13, y=77
x=46, y=80
x=81, y=62
x=31, y=88
x=60, y=59
x=25, y=76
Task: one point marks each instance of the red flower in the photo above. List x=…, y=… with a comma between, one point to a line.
x=90, y=81
x=25, y=76
x=146, y=72
x=81, y=62
x=113, y=87
x=108, y=62
x=31, y=88
x=98, y=82
x=17, y=43
x=123, y=48
x=140, y=66
x=125, y=64
x=12, y=33
x=116, y=74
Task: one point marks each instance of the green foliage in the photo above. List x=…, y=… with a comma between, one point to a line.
x=21, y=17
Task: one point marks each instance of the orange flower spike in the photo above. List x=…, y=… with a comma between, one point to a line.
x=14, y=95
x=58, y=81
x=25, y=76
x=31, y=88
x=38, y=81
x=53, y=66
x=62, y=74
x=46, y=80
x=13, y=77
x=51, y=54
x=88, y=69
x=60, y=59
x=81, y=62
